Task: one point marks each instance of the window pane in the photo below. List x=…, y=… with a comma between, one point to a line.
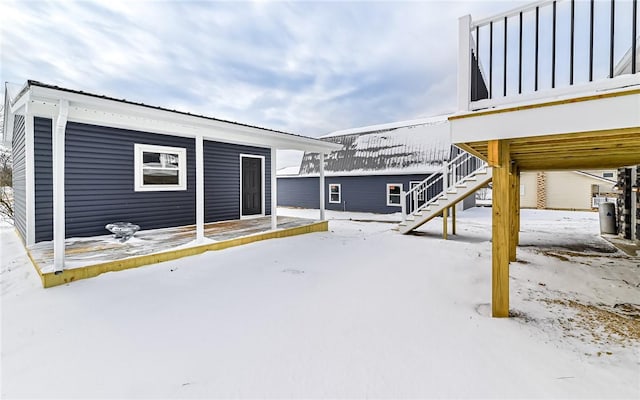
x=158, y=176
x=334, y=189
x=160, y=160
x=335, y=197
x=394, y=189
x=394, y=199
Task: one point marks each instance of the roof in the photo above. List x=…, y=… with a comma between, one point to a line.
x=406, y=147
x=80, y=98
x=596, y=177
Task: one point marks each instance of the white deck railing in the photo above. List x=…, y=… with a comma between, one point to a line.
x=437, y=184
x=547, y=49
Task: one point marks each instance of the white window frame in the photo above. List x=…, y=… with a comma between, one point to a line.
x=262, y=188
x=138, y=183
x=339, y=193
x=389, y=194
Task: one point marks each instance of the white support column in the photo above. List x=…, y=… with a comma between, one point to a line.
x=464, y=63
x=58, y=186
x=322, y=217
x=199, y=189
x=30, y=178
x=274, y=190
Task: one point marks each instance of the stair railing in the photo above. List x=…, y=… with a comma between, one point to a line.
x=437, y=184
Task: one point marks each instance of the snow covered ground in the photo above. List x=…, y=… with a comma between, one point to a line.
x=359, y=311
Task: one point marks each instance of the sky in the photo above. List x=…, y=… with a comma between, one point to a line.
x=308, y=68
x=302, y=67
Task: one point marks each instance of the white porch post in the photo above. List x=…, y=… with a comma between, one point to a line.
x=199, y=189
x=322, y=218
x=464, y=63
x=58, y=187
x=274, y=190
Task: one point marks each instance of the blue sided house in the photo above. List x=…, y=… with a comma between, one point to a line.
x=373, y=168
x=83, y=160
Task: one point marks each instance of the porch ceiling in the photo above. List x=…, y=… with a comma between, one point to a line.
x=584, y=150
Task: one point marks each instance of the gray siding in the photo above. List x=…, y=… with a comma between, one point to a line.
x=358, y=193
x=99, y=187
x=42, y=128
x=99, y=181
x=19, y=177
x=222, y=179
x=299, y=192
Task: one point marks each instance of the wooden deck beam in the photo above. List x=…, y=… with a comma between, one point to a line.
x=500, y=160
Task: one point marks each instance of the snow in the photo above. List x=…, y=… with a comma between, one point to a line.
x=435, y=120
x=359, y=311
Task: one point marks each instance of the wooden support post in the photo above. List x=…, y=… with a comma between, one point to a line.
x=445, y=221
x=501, y=228
x=517, y=236
x=453, y=220
x=513, y=212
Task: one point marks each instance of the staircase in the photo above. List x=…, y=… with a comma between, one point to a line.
x=457, y=179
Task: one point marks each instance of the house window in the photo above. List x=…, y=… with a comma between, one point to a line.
x=607, y=174
x=394, y=191
x=419, y=193
x=159, y=168
x=334, y=193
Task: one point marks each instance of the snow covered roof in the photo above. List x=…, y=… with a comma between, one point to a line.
x=415, y=146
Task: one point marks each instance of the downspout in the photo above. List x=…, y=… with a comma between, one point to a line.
x=59, y=187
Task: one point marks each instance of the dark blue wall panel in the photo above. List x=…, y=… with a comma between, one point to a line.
x=18, y=154
x=99, y=181
x=43, y=179
x=358, y=193
x=222, y=179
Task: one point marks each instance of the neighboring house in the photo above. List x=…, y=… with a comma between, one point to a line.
x=83, y=160
x=567, y=190
x=373, y=167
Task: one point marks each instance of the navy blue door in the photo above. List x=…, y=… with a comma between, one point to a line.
x=251, y=186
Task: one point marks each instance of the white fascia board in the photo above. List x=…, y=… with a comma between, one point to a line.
x=88, y=109
x=364, y=173
x=608, y=113
x=606, y=85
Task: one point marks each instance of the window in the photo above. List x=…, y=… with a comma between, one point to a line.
x=393, y=194
x=334, y=193
x=607, y=174
x=419, y=193
x=159, y=168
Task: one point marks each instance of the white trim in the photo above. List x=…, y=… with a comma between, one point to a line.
x=274, y=190
x=464, y=63
x=399, y=204
x=110, y=112
x=30, y=179
x=58, y=155
x=339, y=193
x=405, y=171
x=138, y=183
x=262, y=180
x=199, y=189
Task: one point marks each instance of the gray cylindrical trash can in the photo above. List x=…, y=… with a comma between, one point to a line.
x=607, y=213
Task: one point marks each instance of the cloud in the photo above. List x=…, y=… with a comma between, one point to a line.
x=303, y=67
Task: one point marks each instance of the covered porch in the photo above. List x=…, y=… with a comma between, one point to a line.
x=91, y=256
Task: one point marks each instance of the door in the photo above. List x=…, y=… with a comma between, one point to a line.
x=251, y=186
